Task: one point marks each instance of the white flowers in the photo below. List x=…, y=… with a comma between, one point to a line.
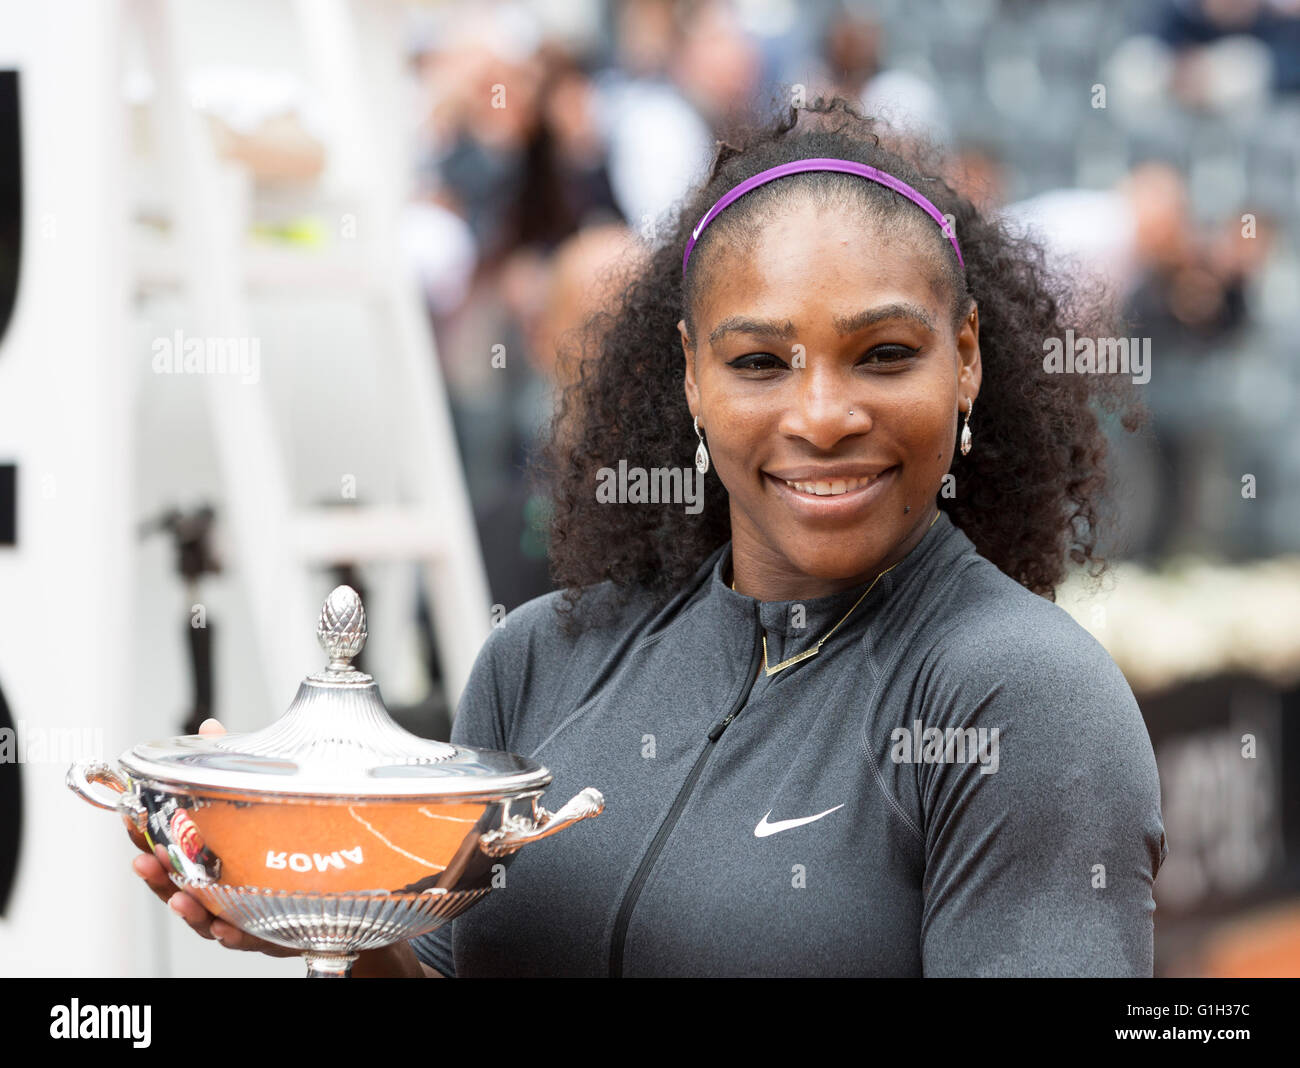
x=1194, y=619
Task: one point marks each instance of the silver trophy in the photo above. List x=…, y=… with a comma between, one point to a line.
x=333, y=830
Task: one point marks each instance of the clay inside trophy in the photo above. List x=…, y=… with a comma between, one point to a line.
x=333, y=830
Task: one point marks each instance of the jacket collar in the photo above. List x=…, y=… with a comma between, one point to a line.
x=793, y=626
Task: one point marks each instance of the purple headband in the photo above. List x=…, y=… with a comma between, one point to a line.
x=821, y=164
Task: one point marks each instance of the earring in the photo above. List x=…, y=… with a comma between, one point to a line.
x=701, y=454
x=965, y=430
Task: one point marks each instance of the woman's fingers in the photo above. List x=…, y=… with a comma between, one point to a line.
x=199, y=918
x=153, y=870
x=154, y=873
x=233, y=938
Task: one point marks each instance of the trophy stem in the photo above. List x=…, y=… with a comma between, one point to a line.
x=329, y=965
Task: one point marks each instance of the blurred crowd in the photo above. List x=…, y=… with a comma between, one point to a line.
x=1156, y=145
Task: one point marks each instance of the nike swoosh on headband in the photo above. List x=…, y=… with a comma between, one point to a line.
x=764, y=828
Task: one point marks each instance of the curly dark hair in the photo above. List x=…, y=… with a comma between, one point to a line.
x=1030, y=492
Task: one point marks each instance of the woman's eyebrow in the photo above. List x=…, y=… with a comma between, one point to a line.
x=871, y=316
x=743, y=324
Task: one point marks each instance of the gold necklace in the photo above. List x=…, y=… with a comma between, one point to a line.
x=808, y=654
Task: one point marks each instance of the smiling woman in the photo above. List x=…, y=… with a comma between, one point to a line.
x=841, y=726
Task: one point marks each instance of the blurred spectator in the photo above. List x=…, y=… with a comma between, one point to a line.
x=646, y=37
x=658, y=144
x=515, y=161
x=557, y=298
x=1192, y=304
x=718, y=64
x=441, y=247
x=979, y=174
x=852, y=50
x=1117, y=233
x=570, y=155
x=1206, y=36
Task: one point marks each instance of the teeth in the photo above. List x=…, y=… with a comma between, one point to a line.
x=831, y=488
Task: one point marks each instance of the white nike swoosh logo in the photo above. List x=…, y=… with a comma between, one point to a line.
x=764, y=828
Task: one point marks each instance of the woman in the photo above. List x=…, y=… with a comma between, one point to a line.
x=840, y=726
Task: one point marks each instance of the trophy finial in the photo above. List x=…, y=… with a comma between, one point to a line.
x=342, y=633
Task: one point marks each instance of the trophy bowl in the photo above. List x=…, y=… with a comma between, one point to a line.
x=333, y=830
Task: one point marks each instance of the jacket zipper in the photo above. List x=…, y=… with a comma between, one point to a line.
x=624, y=917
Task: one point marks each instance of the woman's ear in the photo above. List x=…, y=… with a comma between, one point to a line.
x=688, y=355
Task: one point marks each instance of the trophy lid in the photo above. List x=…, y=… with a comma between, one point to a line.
x=336, y=739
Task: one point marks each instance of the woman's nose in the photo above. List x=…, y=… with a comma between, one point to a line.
x=823, y=408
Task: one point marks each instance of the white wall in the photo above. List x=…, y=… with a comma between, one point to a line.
x=65, y=589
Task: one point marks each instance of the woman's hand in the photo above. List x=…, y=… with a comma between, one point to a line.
x=153, y=870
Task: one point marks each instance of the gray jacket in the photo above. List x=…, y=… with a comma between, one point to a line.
x=959, y=783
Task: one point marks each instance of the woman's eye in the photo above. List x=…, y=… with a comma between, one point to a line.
x=758, y=361
x=889, y=354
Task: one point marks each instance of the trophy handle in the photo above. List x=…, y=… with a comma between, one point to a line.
x=516, y=831
x=98, y=783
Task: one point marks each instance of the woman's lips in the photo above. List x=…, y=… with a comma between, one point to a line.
x=834, y=505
